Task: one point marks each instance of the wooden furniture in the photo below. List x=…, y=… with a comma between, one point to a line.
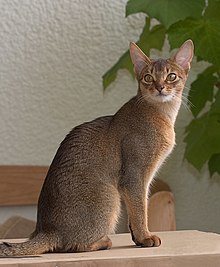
x=161, y=210
x=178, y=248
x=20, y=185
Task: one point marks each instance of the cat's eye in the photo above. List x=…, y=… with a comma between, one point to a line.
x=171, y=77
x=148, y=78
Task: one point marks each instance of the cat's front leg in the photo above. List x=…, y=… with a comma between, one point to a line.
x=140, y=161
x=134, y=196
x=148, y=241
x=136, y=175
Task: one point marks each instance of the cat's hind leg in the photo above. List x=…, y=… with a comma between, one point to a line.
x=102, y=244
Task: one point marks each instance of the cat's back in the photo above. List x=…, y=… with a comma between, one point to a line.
x=81, y=152
x=83, y=143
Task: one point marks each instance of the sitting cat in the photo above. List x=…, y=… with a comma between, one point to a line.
x=109, y=159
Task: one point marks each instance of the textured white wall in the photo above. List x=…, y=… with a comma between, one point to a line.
x=53, y=55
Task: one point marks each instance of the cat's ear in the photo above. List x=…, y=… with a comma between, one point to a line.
x=184, y=55
x=139, y=59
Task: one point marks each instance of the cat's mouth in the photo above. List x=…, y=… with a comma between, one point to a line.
x=162, y=97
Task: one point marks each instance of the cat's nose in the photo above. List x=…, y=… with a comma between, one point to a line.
x=159, y=88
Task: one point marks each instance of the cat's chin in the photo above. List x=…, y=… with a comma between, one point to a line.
x=162, y=98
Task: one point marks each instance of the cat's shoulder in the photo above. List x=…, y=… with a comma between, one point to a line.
x=96, y=123
x=90, y=127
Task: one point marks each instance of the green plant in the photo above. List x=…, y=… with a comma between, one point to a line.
x=179, y=20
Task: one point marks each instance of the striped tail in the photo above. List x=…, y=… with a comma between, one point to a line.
x=39, y=244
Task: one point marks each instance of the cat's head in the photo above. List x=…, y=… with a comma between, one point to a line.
x=162, y=80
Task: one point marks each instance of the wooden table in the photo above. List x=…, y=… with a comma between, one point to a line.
x=179, y=248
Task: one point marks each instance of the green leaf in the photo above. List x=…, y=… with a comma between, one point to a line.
x=148, y=39
x=215, y=107
x=124, y=62
x=202, y=90
x=152, y=39
x=203, y=136
x=205, y=34
x=213, y=9
x=214, y=164
x=202, y=140
x=166, y=11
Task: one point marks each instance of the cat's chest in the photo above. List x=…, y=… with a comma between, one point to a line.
x=157, y=130
x=159, y=143
x=168, y=134
x=157, y=137
x=149, y=139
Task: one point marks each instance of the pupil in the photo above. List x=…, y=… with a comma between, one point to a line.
x=172, y=76
x=148, y=78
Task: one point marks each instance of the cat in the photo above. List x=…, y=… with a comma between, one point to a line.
x=107, y=160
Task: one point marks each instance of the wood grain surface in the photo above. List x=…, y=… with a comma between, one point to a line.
x=21, y=185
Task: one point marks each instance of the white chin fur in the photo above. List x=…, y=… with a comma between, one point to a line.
x=163, y=98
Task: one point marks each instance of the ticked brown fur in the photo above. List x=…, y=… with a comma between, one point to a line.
x=109, y=159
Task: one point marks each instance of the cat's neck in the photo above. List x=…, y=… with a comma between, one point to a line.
x=170, y=108
x=167, y=109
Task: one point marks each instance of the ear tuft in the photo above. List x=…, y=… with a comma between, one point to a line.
x=139, y=59
x=184, y=55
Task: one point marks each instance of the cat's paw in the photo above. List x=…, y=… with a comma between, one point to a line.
x=151, y=241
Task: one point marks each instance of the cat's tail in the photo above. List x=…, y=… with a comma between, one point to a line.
x=39, y=244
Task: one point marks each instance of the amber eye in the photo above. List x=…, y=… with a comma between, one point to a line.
x=171, y=77
x=148, y=78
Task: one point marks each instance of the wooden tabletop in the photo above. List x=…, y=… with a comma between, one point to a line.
x=179, y=248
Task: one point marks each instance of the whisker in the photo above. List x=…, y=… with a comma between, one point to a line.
x=190, y=104
x=187, y=87
x=185, y=102
x=188, y=101
x=185, y=94
x=185, y=97
x=190, y=89
x=186, y=106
